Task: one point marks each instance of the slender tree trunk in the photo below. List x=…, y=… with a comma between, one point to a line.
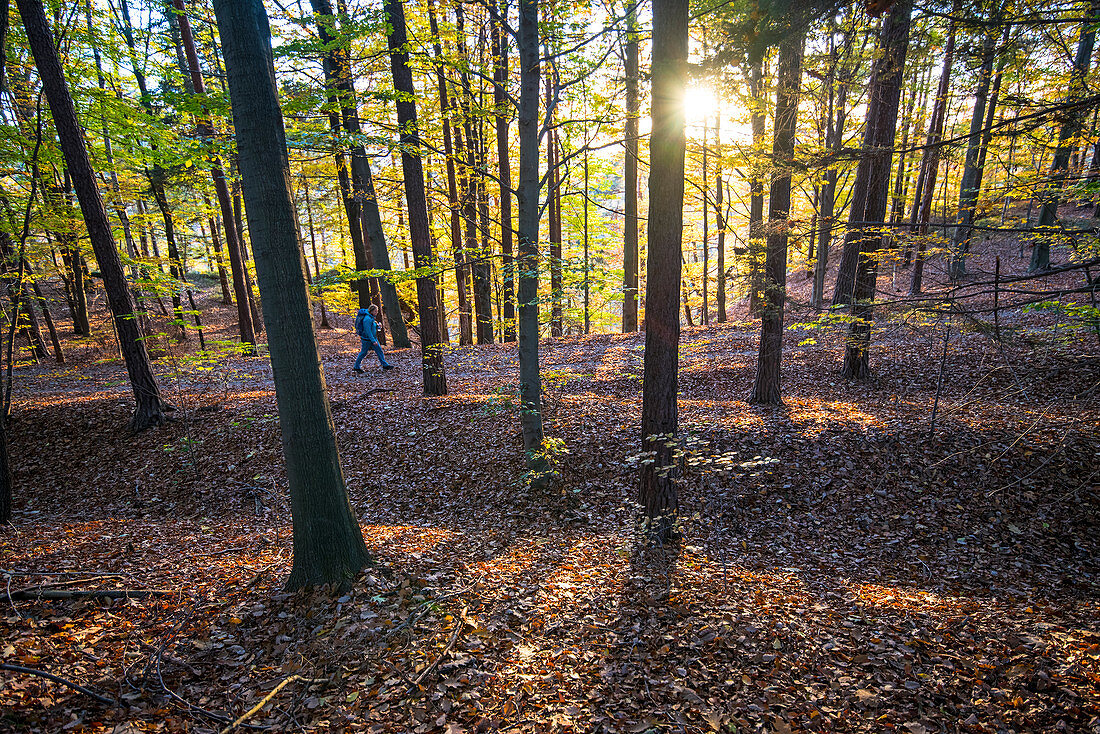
x=360, y=200
x=836, y=115
x=756, y=187
x=765, y=389
x=587, y=293
x=328, y=544
x=146, y=393
x=922, y=205
x=435, y=378
x=216, y=240
x=503, y=116
x=704, y=316
x=553, y=193
x=720, y=225
x=221, y=190
x=527, y=232
x=971, y=183
x=1072, y=123
x=630, y=176
x=658, y=493
x=878, y=142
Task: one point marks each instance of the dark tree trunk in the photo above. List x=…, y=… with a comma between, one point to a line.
x=553, y=208
x=658, y=487
x=720, y=225
x=328, y=544
x=704, y=315
x=630, y=176
x=1072, y=123
x=360, y=200
x=836, y=115
x=930, y=164
x=5, y=473
x=788, y=76
x=504, y=172
x=435, y=379
x=756, y=187
x=146, y=392
x=878, y=143
x=527, y=232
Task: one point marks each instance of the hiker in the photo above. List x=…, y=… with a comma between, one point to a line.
x=367, y=328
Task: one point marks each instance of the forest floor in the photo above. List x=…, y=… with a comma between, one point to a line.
x=847, y=564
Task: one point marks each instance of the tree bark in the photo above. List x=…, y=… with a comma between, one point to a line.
x=926, y=185
x=756, y=186
x=878, y=143
x=765, y=389
x=658, y=493
x=504, y=171
x=527, y=206
x=435, y=378
x=328, y=544
x=368, y=239
x=148, y=412
x=630, y=176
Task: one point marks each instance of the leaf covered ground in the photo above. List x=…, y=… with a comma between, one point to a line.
x=846, y=565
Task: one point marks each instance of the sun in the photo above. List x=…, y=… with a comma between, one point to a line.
x=700, y=104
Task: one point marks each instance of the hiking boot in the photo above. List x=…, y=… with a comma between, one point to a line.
x=357, y=370
x=388, y=367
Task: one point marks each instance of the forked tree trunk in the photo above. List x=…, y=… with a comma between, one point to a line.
x=328, y=544
x=878, y=142
x=657, y=492
x=765, y=389
x=630, y=176
x=435, y=378
x=148, y=412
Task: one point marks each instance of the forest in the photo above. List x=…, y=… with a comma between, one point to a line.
x=580, y=366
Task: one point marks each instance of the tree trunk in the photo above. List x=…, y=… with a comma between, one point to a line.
x=328, y=544
x=527, y=206
x=630, y=176
x=788, y=76
x=836, y=115
x=1072, y=123
x=756, y=186
x=971, y=183
x=720, y=225
x=504, y=171
x=878, y=142
x=205, y=128
x=926, y=185
x=658, y=487
x=368, y=240
x=704, y=316
x=146, y=392
x=435, y=379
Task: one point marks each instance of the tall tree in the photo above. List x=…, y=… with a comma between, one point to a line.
x=756, y=182
x=435, y=378
x=1072, y=121
x=658, y=495
x=971, y=183
x=360, y=200
x=503, y=114
x=878, y=143
x=149, y=410
x=221, y=189
x=328, y=544
x=527, y=232
x=630, y=175
x=765, y=389
x=930, y=164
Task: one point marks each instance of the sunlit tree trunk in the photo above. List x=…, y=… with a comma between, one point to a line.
x=146, y=392
x=630, y=176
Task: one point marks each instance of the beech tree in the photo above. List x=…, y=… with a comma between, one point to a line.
x=328, y=543
x=149, y=409
x=658, y=494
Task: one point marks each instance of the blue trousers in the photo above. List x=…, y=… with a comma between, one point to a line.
x=367, y=346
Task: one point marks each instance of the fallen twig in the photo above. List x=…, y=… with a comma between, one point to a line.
x=263, y=701
x=459, y=625
x=37, y=592
x=58, y=679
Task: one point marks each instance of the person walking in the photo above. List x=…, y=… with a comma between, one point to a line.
x=367, y=328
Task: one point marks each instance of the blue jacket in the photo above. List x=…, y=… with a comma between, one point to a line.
x=365, y=326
